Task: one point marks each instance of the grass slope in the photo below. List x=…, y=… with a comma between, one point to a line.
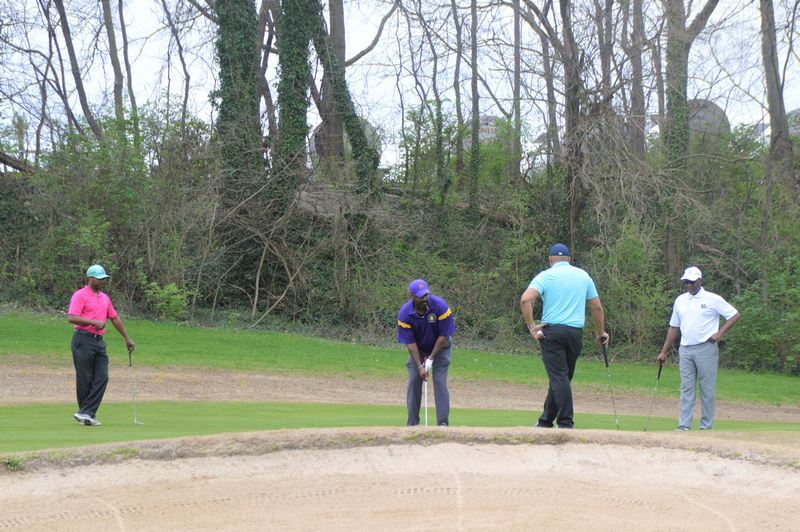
x=47, y=337
x=37, y=427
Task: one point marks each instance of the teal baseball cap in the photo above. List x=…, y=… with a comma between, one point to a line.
x=97, y=271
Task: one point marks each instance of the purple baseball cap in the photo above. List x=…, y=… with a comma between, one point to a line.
x=418, y=287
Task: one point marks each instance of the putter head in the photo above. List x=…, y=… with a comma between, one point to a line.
x=138, y=423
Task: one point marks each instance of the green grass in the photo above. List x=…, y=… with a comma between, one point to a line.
x=44, y=340
x=37, y=427
x=47, y=338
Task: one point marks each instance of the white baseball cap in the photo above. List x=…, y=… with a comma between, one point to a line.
x=692, y=273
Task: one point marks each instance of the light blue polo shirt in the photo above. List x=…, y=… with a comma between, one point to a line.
x=565, y=289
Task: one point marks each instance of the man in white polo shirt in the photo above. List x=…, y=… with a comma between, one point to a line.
x=695, y=315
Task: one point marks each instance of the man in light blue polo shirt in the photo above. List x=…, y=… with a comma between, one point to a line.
x=695, y=315
x=565, y=291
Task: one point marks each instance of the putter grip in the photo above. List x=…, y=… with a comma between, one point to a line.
x=605, y=356
x=660, y=365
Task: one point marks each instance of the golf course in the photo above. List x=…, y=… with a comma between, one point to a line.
x=277, y=430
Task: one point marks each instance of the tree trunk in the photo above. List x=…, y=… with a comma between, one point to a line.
x=329, y=141
x=576, y=191
x=268, y=17
x=780, y=146
x=366, y=156
x=552, y=136
x=676, y=136
x=119, y=80
x=459, y=140
x=186, y=76
x=633, y=49
x=295, y=71
x=137, y=137
x=516, y=153
x=76, y=72
x=475, y=149
x=679, y=43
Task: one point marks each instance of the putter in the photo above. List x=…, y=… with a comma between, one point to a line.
x=130, y=365
x=426, y=402
x=605, y=356
x=654, y=396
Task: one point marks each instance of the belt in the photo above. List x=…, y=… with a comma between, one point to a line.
x=87, y=333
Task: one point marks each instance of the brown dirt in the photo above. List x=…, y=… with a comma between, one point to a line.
x=381, y=478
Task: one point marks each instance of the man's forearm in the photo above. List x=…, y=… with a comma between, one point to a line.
x=599, y=319
x=413, y=352
x=438, y=346
x=117, y=321
x=728, y=324
x=672, y=335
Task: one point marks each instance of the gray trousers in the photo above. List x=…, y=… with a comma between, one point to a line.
x=698, y=366
x=441, y=365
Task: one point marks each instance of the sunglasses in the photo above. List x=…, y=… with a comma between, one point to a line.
x=690, y=282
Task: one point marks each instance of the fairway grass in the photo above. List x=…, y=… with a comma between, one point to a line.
x=45, y=344
x=47, y=337
x=38, y=427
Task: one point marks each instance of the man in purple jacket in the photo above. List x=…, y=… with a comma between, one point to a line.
x=424, y=325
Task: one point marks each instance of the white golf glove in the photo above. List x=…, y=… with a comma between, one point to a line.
x=428, y=364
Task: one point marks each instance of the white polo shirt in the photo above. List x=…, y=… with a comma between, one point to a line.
x=697, y=315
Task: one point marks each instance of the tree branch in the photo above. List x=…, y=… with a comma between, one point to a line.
x=374, y=42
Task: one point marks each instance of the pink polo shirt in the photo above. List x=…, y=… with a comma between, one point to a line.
x=86, y=304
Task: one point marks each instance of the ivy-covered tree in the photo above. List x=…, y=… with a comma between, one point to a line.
x=237, y=100
x=302, y=23
x=365, y=155
x=297, y=23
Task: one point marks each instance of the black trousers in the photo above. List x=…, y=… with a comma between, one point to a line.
x=91, y=371
x=560, y=351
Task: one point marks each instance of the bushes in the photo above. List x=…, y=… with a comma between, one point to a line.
x=767, y=336
x=636, y=299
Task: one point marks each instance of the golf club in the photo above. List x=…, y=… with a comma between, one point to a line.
x=426, y=402
x=130, y=365
x=654, y=396
x=428, y=366
x=605, y=356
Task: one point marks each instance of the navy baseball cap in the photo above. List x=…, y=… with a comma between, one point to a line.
x=97, y=271
x=418, y=287
x=559, y=250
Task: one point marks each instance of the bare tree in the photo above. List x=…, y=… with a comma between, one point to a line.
x=186, y=76
x=119, y=80
x=329, y=140
x=137, y=138
x=76, y=71
x=633, y=44
x=781, y=155
x=459, y=53
x=679, y=43
x=475, y=154
x=516, y=154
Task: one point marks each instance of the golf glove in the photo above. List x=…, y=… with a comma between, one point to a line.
x=428, y=365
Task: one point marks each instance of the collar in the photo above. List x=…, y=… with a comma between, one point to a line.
x=698, y=294
x=560, y=263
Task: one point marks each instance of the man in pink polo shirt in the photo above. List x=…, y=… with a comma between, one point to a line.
x=89, y=309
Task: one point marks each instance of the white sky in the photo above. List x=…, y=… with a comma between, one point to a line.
x=725, y=66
